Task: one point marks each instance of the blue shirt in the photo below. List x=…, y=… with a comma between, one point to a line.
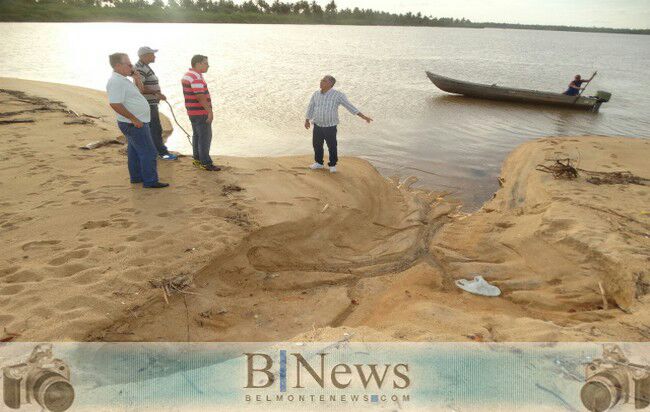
x=571, y=91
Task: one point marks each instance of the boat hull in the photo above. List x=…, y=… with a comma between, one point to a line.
x=493, y=92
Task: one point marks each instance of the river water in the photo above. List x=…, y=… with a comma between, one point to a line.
x=262, y=76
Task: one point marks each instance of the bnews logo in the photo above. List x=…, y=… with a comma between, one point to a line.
x=296, y=372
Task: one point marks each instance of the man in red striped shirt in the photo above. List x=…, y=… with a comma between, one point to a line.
x=199, y=109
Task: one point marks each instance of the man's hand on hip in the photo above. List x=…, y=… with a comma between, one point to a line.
x=137, y=123
x=210, y=117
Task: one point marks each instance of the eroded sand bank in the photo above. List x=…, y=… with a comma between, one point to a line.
x=268, y=250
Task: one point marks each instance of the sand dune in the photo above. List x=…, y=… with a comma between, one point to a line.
x=268, y=250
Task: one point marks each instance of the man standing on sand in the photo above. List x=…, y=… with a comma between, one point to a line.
x=323, y=111
x=133, y=118
x=199, y=109
x=151, y=91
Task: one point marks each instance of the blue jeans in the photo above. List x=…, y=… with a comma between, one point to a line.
x=201, y=139
x=141, y=152
x=156, y=130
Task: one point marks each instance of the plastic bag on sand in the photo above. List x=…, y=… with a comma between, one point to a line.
x=478, y=286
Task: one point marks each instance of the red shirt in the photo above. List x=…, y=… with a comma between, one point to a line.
x=194, y=85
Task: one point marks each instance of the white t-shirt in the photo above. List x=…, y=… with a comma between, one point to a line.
x=122, y=90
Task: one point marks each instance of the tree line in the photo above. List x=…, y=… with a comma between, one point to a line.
x=249, y=11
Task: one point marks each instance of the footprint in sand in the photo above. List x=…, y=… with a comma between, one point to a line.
x=11, y=290
x=8, y=271
x=65, y=258
x=49, y=203
x=42, y=312
x=40, y=244
x=94, y=224
x=24, y=276
x=125, y=223
x=67, y=270
x=144, y=236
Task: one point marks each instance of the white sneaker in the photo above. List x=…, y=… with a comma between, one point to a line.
x=332, y=169
x=316, y=166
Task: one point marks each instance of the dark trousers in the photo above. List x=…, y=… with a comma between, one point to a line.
x=201, y=139
x=141, y=154
x=156, y=131
x=325, y=135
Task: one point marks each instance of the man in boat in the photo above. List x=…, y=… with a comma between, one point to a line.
x=575, y=86
x=323, y=111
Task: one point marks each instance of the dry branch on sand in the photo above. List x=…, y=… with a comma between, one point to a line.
x=564, y=169
x=560, y=169
x=169, y=286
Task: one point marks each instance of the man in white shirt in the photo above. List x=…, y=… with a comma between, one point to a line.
x=323, y=111
x=133, y=117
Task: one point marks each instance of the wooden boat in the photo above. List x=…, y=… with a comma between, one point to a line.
x=494, y=92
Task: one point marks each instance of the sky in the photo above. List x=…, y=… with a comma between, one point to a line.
x=602, y=13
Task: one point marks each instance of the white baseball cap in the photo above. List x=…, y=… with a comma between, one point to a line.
x=145, y=50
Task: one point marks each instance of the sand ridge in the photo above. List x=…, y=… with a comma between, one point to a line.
x=267, y=250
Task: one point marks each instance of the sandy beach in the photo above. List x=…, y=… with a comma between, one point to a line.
x=267, y=250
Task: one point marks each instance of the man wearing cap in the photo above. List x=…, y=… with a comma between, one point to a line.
x=151, y=91
x=133, y=118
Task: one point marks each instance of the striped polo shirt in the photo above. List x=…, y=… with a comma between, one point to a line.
x=323, y=108
x=149, y=80
x=193, y=85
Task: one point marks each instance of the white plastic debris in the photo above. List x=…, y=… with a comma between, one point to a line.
x=478, y=286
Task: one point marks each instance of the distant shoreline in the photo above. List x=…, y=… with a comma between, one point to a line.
x=505, y=26
x=16, y=11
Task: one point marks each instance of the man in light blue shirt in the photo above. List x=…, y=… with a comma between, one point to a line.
x=133, y=117
x=323, y=111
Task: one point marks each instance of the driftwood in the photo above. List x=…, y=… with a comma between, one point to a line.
x=100, y=143
x=560, y=169
x=564, y=169
x=17, y=121
x=79, y=121
x=38, y=109
x=602, y=294
x=614, y=178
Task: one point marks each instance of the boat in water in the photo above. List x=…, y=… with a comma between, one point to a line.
x=494, y=92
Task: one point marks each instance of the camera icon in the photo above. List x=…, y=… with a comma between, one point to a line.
x=41, y=379
x=613, y=379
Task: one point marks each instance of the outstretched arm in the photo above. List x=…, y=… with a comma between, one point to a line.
x=364, y=117
x=346, y=103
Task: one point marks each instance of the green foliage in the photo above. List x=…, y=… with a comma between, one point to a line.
x=249, y=11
